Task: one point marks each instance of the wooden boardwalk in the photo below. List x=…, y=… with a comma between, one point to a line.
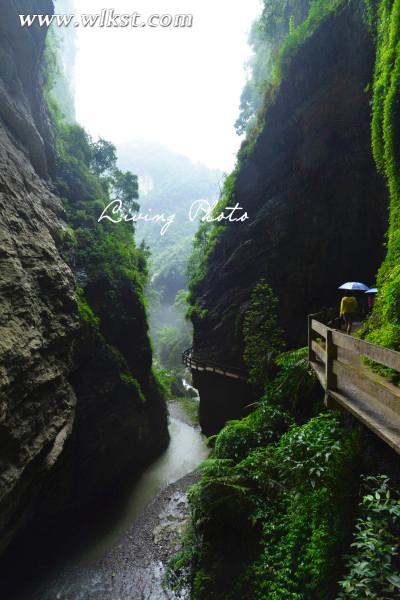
x=339, y=362
x=193, y=363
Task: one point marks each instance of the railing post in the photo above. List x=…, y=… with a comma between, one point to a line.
x=330, y=377
x=311, y=353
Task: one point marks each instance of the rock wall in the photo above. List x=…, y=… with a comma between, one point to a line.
x=38, y=313
x=221, y=399
x=68, y=425
x=316, y=204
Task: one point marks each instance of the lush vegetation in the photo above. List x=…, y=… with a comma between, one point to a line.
x=281, y=30
x=384, y=19
x=263, y=338
x=373, y=566
x=282, y=510
x=204, y=242
x=277, y=512
x=110, y=269
x=275, y=508
x=278, y=19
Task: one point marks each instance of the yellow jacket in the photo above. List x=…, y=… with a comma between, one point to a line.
x=348, y=306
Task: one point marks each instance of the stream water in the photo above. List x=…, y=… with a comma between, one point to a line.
x=185, y=452
x=72, y=572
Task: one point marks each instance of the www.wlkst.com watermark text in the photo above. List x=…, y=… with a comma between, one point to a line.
x=108, y=18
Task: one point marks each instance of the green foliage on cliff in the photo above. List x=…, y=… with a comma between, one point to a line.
x=262, y=337
x=273, y=508
x=133, y=384
x=104, y=253
x=57, y=91
x=87, y=178
x=384, y=17
x=110, y=269
x=277, y=20
x=86, y=313
x=318, y=11
x=206, y=239
x=284, y=25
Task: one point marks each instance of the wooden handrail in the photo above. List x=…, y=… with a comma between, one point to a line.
x=193, y=363
x=379, y=354
x=349, y=384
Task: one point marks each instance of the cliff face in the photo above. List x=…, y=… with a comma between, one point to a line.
x=68, y=424
x=316, y=204
x=21, y=106
x=38, y=312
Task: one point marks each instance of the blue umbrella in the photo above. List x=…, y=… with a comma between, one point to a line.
x=372, y=291
x=354, y=286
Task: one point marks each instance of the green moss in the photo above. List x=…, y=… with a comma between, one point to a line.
x=319, y=11
x=206, y=240
x=86, y=313
x=130, y=382
x=384, y=16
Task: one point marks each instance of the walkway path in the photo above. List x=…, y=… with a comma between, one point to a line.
x=350, y=384
x=194, y=364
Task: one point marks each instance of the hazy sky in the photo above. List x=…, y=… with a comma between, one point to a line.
x=179, y=87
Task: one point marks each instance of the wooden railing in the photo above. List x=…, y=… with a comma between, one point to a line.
x=193, y=363
x=339, y=361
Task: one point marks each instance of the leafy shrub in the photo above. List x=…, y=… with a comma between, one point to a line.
x=263, y=338
x=262, y=427
x=271, y=512
x=306, y=526
x=373, y=567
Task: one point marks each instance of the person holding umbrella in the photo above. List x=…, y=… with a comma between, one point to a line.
x=348, y=307
x=371, y=295
x=349, y=304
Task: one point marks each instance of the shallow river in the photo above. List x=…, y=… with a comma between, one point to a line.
x=185, y=452
x=73, y=570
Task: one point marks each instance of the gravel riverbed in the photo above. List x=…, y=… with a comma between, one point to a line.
x=134, y=569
